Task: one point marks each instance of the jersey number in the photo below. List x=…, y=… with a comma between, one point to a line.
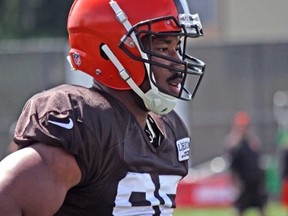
x=143, y=194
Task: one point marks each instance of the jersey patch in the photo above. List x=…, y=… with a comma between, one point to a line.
x=183, y=147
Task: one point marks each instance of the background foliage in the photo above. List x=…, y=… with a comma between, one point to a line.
x=33, y=18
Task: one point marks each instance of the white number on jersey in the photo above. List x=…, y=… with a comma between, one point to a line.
x=141, y=194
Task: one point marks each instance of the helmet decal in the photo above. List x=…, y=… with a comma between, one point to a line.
x=76, y=58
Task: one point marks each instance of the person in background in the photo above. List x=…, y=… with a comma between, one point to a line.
x=117, y=148
x=284, y=175
x=283, y=155
x=243, y=149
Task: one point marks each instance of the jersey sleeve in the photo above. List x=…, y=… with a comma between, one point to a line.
x=55, y=118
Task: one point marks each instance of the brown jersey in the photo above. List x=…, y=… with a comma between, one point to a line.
x=122, y=172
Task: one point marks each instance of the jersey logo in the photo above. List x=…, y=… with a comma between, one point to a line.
x=183, y=147
x=68, y=125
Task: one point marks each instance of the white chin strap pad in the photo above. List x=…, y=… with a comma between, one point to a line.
x=160, y=103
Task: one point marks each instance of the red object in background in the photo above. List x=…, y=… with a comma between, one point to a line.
x=285, y=193
x=214, y=191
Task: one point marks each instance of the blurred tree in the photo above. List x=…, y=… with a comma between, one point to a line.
x=33, y=18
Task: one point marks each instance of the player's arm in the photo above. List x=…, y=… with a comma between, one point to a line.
x=35, y=180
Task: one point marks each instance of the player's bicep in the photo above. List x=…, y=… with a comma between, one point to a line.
x=35, y=180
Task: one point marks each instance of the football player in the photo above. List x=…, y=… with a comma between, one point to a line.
x=117, y=148
x=243, y=149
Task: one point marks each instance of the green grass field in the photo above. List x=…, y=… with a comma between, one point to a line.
x=273, y=209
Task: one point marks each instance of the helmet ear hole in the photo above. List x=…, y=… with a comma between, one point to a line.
x=102, y=53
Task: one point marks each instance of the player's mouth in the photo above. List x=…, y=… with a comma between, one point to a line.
x=175, y=86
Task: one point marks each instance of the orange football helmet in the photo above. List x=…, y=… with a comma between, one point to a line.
x=105, y=42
